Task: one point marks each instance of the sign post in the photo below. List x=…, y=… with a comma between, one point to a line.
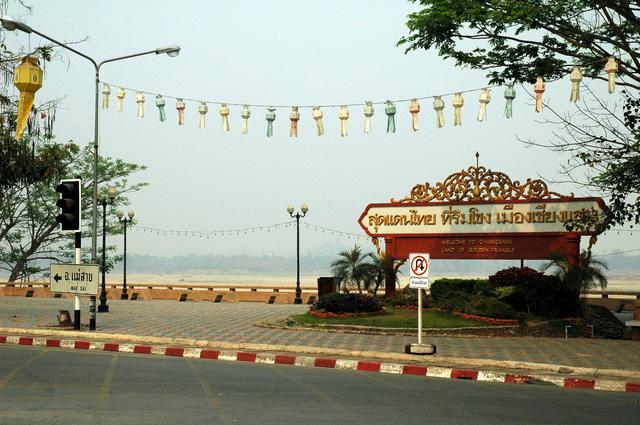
x=78, y=279
x=419, y=279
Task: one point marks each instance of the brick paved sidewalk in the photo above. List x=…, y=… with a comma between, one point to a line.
x=233, y=322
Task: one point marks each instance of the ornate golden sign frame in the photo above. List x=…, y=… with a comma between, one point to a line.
x=481, y=184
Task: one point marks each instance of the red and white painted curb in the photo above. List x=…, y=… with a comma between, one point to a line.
x=344, y=364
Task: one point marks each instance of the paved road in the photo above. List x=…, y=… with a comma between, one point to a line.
x=233, y=322
x=39, y=386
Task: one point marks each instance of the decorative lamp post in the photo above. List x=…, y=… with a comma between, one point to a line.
x=112, y=192
x=124, y=221
x=172, y=51
x=304, y=208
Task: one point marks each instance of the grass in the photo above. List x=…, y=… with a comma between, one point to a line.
x=392, y=318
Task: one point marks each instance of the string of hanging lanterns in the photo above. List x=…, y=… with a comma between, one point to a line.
x=390, y=109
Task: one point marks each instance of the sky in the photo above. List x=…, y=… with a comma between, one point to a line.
x=278, y=53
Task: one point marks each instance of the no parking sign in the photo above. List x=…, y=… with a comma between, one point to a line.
x=419, y=270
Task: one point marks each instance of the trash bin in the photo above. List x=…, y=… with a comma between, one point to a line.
x=326, y=285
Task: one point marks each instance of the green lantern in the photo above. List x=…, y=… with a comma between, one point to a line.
x=390, y=110
x=160, y=104
x=271, y=117
x=509, y=95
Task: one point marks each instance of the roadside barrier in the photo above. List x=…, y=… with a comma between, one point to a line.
x=163, y=291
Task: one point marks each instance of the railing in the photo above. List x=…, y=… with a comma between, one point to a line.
x=181, y=292
x=131, y=286
x=260, y=288
x=612, y=294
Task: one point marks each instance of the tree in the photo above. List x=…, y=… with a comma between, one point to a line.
x=350, y=269
x=380, y=269
x=28, y=230
x=31, y=167
x=518, y=40
x=587, y=274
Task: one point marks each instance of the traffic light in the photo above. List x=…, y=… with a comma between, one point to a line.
x=69, y=203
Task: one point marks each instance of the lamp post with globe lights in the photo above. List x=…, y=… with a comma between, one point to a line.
x=304, y=208
x=124, y=220
x=112, y=192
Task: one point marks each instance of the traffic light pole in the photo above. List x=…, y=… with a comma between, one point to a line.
x=76, y=309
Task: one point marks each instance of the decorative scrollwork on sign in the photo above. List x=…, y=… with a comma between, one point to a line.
x=481, y=184
x=376, y=242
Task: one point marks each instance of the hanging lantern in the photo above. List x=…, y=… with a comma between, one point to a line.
x=485, y=98
x=202, y=110
x=160, y=104
x=576, y=78
x=271, y=116
x=106, y=91
x=509, y=95
x=140, y=102
x=414, y=108
x=458, y=103
x=294, y=116
x=344, y=116
x=438, y=105
x=390, y=110
x=538, y=87
x=120, y=99
x=27, y=77
x=611, y=67
x=245, y=114
x=224, y=113
x=317, y=115
x=368, y=113
x=180, y=106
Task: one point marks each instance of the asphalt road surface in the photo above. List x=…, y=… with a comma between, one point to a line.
x=55, y=386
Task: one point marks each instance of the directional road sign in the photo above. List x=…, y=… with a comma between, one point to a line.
x=79, y=279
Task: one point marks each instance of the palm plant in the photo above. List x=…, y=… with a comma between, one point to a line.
x=587, y=274
x=350, y=269
x=377, y=269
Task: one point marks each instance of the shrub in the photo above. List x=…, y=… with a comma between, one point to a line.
x=441, y=287
x=482, y=287
x=348, y=303
x=405, y=297
x=530, y=291
x=453, y=300
x=490, y=307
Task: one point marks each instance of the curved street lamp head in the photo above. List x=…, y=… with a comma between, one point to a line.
x=171, y=51
x=290, y=209
x=131, y=214
x=304, y=208
x=119, y=214
x=11, y=25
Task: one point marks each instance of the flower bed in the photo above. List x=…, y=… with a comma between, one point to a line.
x=326, y=314
x=490, y=320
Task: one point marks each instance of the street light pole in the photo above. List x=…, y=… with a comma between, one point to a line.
x=124, y=220
x=112, y=193
x=172, y=51
x=304, y=208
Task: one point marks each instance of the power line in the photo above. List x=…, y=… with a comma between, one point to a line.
x=616, y=253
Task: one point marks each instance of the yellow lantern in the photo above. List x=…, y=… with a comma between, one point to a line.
x=27, y=77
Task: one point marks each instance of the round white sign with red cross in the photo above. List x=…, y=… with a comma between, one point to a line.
x=419, y=265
